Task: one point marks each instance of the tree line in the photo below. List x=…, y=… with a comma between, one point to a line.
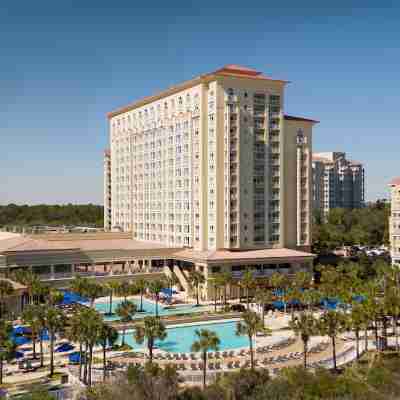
x=362, y=226
x=54, y=215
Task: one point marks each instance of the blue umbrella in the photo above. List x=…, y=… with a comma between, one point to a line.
x=74, y=358
x=64, y=347
x=72, y=298
x=280, y=305
x=20, y=330
x=44, y=335
x=21, y=340
x=18, y=354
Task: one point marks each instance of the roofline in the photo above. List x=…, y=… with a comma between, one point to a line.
x=394, y=182
x=186, y=85
x=294, y=118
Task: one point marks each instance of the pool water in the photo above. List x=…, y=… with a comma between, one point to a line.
x=148, y=307
x=180, y=339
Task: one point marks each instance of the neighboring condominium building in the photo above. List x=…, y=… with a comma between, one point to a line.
x=107, y=190
x=213, y=163
x=394, y=221
x=337, y=182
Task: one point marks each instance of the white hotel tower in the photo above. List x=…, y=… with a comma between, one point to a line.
x=213, y=163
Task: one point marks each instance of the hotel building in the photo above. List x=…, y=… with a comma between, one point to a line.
x=337, y=182
x=107, y=190
x=394, y=221
x=208, y=175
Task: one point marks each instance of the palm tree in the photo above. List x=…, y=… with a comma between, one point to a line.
x=141, y=286
x=32, y=317
x=279, y=282
x=108, y=336
x=196, y=278
x=92, y=325
x=54, y=322
x=206, y=340
x=125, y=310
x=112, y=288
x=31, y=281
x=392, y=305
x=331, y=324
x=7, y=346
x=124, y=290
x=93, y=291
x=263, y=297
x=153, y=328
x=54, y=296
x=250, y=325
x=247, y=282
x=214, y=283
x=155, y=288
x=357, y=321
x=79, y=285
x=6, y=289
x=75, y=333
x=223, y=279
x=305, y=326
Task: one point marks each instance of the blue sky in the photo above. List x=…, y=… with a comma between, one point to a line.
x=65, y=64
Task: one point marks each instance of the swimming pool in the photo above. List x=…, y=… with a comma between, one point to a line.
x=149, y=309
x=180, y=339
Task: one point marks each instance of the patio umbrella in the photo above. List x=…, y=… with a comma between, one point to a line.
x=21, y=340
x=64, y=347
x=74, y=358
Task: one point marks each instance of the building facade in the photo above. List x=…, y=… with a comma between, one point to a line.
x=210, y=175
x=213, y=163
x=394, y=221
x=107, y=191
x=337, y=182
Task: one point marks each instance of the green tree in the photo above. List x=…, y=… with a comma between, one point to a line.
x=141, y=286
x=305, y=326
x=206, y=340
x=331, y=324
x=155, y=288
x=247, y=282
x=54, y=322
x=112, y=288
x=392, y=306
x=263, y=297
x=125, y=310
x=108, y=336
x=153, y=329
x=7, y=347
x=357, y=320
x=6, y=290
x=196, y=278
x=33, y=316
x=250, y=325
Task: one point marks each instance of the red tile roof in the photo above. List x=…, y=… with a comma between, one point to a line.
x=233, y=70
x=395, y=182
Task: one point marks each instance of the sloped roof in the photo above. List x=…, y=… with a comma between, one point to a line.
x=395, y=182
x=228, y=255
x=233, y=70
x=302, y=119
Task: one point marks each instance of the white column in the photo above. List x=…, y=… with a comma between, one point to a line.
x=52, y=275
